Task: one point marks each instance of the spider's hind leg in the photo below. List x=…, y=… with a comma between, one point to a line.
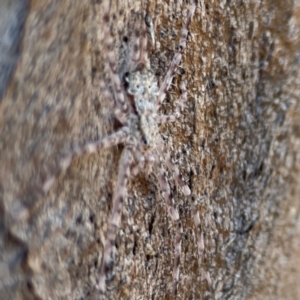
x=201, y=247
x=120, y=194
x=173, y=212
x=163, y=152
x=161, y=119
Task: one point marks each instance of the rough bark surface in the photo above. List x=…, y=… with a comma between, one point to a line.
x=237, y=142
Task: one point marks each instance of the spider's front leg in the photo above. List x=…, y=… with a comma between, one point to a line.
x=201, y=247
x=163, y=152
x=140, y=158
x=177, y=57
x=113, y=105
x=115, y=216
x=145, y=162
x=108, y=42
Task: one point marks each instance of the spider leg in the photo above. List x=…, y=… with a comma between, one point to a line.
x=109, y=141
x=145, y=162
x=177, y=57
x=172, y=167
x=139, y=48
x=134, y=51
x=166, y=191
x=150, y=159
x=112, y=61
x=183, y=98
x=115, y=216
x=208, y=280
x=199, y=233
x=119, y=114
x=144, y=41
x=141, y=162
x=160, y=119
x=175, y=171
x=177, y=254
x=201, y=248
x=150, y=24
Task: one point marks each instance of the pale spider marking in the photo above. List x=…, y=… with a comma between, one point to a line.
x=137, y=110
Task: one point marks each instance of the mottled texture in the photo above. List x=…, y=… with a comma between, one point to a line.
x=237, y=142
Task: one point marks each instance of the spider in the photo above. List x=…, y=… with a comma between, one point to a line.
x=136, y=107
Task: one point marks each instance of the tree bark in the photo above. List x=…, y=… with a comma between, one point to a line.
x=236, y=144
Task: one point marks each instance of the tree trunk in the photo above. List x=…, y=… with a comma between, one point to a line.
x=236, y=144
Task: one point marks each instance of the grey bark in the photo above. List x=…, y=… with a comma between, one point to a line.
x=237, y=144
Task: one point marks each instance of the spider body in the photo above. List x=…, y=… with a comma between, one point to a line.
x=137, y=99
x=142, y=86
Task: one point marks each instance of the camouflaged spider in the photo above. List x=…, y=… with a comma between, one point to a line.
x=137, y=110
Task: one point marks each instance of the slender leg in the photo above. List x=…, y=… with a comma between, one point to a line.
x=160, y=119
x=174, y=170
x=138, y=155
x=145, y=162
x=150, y=159
x=166, y=191
x=135, y=43
x=208, y=280
x=109, y=141
x=119, y=114
x=199, y=234
x=172, y=167
x=115, y=138
x=115, y=216
x=200, y=244
x=150, y=24
x=177, y=257
x=112, y=61
x=144, y=42
x=177, y=57
x=183, y=98
x=139, y=45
